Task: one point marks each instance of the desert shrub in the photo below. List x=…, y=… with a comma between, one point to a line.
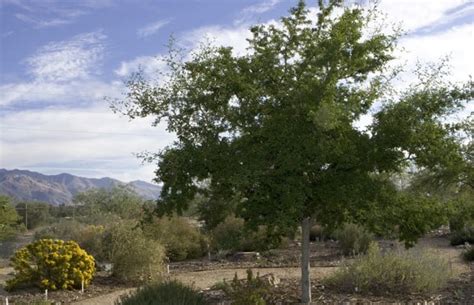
x=89, y=237
x=38, y=213
x=65, y=229
x=468, y=255
x=134, y=257
x=181, y=239
x=232, y=235
x=461, y=213
x=353, y=239
x=393, y=272
x=319, y=232
x=250, y=291
x=170, y=293
x=228, y=234
x=463, y=236
x=52, y=264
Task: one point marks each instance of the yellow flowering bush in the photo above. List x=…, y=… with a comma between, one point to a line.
x=52, y=264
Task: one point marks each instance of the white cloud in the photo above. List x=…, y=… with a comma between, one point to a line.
x=63, y=139
x=51, y=13
x=417, y=14
x=457, y=43
x=249, y=12
x=235, y=37
x=150, y=65
x=68, y=60
x=73, y=92
x=63, y=72
x=42, y=23
x=152, y=28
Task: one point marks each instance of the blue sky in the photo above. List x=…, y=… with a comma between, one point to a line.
x=59, y=58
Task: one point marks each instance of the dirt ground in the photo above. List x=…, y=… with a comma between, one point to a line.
x=284, y=265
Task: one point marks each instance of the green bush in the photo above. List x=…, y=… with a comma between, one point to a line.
x=319, y=232
x=393, y=272
x=353, y=239
x=251, y=291
x=38, y=213
x=468, y=255
x=169, y=293
x=52, y=264
x=181, y=239
x=228, y=235
x=232, y=235
x=463, y=236
x=9, y=219
x=134, y=257
x=461, y=213
x=89, y=237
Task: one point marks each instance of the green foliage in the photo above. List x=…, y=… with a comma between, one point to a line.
x=89, y=237
x=228, y=234
x=169, y=293
x=393, y=272
x=462, y=212
x=135, y=257
x=214, y=209
x=353, y=239
x=468, y=255
x=463, y=236
x=232, y=235
x=181, y=239
x=276, y=127
x=404, y=215
x=38, y=213
x=9, y=219
x=250, y=291
x=52, y=264
x=119, y=201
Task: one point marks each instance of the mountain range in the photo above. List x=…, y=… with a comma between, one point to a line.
x=60, y=189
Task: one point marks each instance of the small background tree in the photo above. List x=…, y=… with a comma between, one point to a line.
x=9, y=219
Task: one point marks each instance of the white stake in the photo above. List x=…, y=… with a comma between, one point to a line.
x=6, y=301
x=46, y=294
x=168, y=268
x=82, y=286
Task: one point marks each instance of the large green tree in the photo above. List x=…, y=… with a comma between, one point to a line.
x=276, y=128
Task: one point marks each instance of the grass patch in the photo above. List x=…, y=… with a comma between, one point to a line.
x=392, y=273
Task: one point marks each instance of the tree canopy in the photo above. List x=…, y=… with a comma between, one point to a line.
x=277, y=127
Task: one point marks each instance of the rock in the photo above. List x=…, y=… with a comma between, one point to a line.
x=271, y=279
x=246, y=256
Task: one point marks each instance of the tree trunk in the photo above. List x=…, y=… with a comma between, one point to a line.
x=305, y=266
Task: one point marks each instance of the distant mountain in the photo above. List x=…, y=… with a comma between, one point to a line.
x=60, y=189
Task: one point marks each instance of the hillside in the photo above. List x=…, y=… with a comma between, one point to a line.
x=60, y=189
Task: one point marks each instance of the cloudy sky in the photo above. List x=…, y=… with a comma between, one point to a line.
x=59, y=58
